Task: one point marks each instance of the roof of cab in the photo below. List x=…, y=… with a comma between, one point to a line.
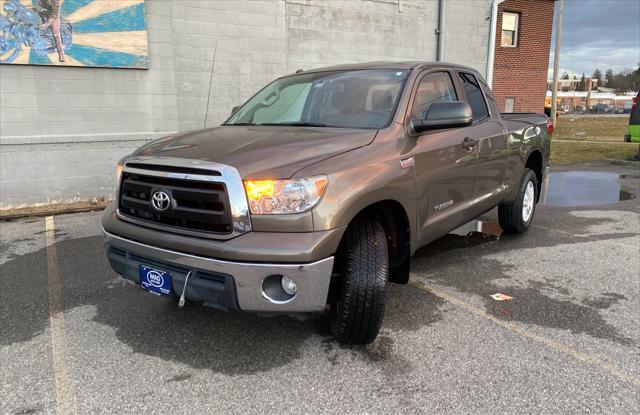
x=408, y=65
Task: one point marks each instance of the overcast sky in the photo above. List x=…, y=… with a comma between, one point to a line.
x=599, y=34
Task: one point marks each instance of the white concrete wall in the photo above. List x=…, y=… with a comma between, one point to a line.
x=62, y=129
x=245, y=42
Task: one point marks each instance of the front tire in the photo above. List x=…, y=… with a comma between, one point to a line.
x=356, y=317
x=516, y=217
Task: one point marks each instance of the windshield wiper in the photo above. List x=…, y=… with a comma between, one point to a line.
x=296, y=124
x=241, y=123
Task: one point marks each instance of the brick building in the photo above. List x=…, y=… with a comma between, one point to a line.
x=523, y=42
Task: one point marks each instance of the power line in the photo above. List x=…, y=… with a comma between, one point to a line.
x=595, y=61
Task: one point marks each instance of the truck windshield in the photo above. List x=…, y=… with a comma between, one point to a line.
x=347, y=99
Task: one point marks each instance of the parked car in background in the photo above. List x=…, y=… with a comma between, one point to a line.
x=600, y=109
x=318, y=190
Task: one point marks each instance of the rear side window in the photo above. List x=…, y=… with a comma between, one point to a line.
x=433, y=87
x=474, y=96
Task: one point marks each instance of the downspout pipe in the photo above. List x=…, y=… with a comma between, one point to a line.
x=492, y=40
x=440, y=32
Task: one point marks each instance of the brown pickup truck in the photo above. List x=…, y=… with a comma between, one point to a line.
x=315, y=193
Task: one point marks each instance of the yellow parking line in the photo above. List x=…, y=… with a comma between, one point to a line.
x=64, y=394
x=559, y=347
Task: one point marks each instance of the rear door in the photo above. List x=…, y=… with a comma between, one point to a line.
x=490, y=140
x=444, y=169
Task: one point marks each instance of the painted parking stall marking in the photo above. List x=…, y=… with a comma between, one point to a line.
x=64, y=393
x=552, y=344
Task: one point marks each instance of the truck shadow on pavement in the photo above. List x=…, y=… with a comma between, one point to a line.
x=542, y=301
x=233, y=344
x=197, y=336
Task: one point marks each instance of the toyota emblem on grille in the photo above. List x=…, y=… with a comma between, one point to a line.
x=160, y=201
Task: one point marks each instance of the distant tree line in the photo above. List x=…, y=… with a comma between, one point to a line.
x=624, y=81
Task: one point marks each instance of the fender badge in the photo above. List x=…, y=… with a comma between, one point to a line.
x=406, y=163
x=443, y=205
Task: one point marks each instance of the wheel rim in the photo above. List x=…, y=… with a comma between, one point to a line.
x=528, y=201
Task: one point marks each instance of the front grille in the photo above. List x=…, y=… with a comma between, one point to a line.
x=174, y=169
x=195, y=205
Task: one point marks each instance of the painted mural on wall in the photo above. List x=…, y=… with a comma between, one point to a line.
x=93, y=33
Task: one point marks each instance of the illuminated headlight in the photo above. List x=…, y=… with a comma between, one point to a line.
x=270, y=197
x=119, y=169
x=119, y=172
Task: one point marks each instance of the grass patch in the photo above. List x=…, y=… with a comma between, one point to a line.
x=572, y=152
x=591, y=128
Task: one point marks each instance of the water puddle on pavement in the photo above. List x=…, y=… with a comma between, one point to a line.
x=586, y=188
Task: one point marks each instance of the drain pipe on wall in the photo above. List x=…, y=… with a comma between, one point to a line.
x=440, y=32
x=492, y=40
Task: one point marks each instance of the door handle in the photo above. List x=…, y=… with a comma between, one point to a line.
x=468, y=143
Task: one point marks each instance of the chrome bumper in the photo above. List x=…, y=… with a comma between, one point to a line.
x=311, y=279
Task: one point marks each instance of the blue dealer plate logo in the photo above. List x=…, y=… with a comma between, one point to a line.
x=155, y=281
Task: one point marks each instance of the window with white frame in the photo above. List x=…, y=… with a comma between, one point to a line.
x=509, y=104
x=510, y=22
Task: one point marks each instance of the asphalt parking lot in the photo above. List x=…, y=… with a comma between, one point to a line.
x=77, y=338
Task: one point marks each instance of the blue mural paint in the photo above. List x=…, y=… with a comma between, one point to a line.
x=23, y=32
x=70, y=6
x=124, y=20
x=90, y=56
x=36, y=58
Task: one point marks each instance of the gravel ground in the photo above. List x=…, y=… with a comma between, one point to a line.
x=77, y=338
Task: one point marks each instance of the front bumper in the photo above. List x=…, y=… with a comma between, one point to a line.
x=226, y=285
x=254, y=247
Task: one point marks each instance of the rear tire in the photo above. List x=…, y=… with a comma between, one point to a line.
x=357, y=315
x=516, y=217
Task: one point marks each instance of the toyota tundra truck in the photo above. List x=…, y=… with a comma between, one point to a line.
x=314, y=194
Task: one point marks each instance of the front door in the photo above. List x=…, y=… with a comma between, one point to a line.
x=444, y=168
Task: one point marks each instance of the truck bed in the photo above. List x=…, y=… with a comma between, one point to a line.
x=520, y=121
x=526, y=117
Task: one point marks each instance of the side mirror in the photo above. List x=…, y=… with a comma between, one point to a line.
x=443, y=114
x=234, y=109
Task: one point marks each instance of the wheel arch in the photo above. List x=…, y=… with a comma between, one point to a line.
x=394, y=219
x=535, y=162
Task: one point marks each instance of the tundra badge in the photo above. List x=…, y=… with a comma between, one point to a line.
x=443, y=205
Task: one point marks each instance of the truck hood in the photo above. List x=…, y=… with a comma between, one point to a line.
x=260, y=151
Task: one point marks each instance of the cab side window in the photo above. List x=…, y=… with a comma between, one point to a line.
x=433, y=87
x=474, y=96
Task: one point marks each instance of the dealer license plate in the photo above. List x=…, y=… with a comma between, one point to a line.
x=155, y=281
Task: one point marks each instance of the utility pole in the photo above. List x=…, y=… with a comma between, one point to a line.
x=587, y=103
x=556, y=66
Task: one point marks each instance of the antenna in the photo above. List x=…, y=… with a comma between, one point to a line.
x=213, y=61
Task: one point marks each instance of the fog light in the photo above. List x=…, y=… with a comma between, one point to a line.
x=278, y=289
x=288, y=286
